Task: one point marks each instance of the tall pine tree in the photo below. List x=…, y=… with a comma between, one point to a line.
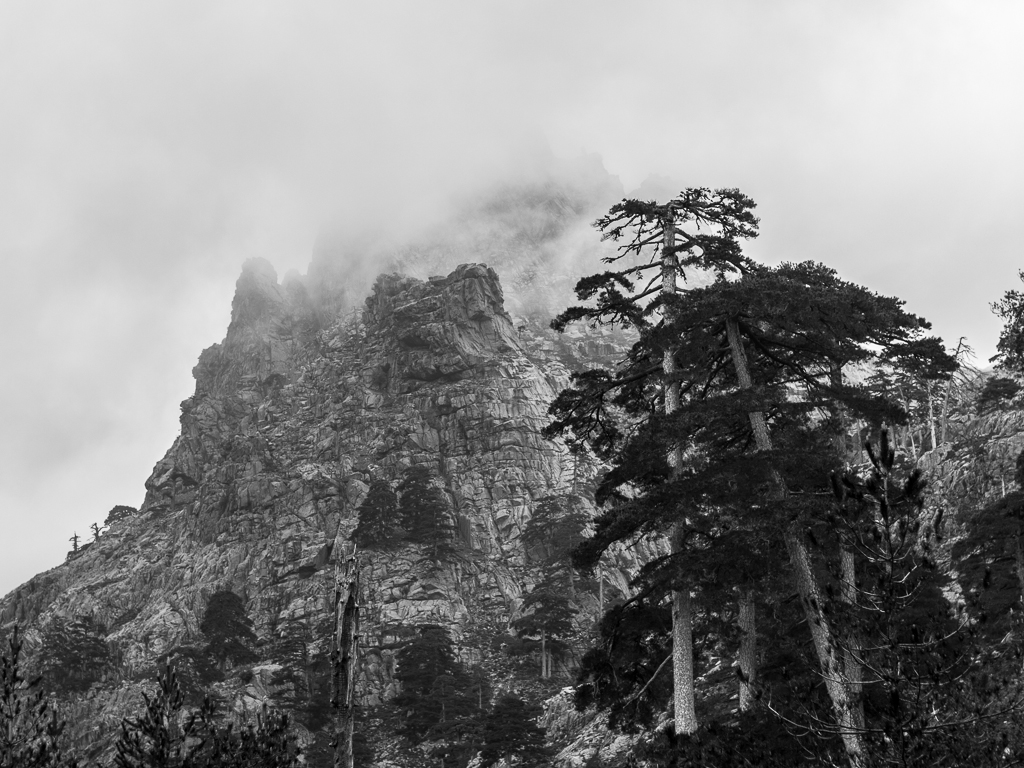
x=767, y=348
x=698, y=229
x=436, y=688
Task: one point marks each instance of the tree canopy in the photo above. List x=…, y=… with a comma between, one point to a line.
x=724, y=419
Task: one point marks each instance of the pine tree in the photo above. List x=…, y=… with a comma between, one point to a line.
x=30, y=729
x=265, y=743
x=228, y=631
x=292, y=647
x=1010, y=348
x=511, y=733
x=73, y=654
x=997, y=392
x=435, y=686
x=426, y=517
x=742, y=350
x=118, y=513
x=697, y=229
x=547, y=615
x=379, y=518
x=164, y=737
x=555, y=529
x=157, y=739
x=779, y=313
x=926, y=701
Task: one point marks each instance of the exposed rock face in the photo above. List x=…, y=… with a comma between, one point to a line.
x=975, y=468
x=293, y=414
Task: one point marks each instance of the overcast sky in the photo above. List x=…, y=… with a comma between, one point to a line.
x=147, y=149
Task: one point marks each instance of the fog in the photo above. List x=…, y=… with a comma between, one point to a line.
x=147, y=150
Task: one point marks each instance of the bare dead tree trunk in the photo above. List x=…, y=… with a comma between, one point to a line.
x=682, y=619
x=811, y=597
x=344, y=654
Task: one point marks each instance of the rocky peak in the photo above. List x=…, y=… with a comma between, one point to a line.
x=258, y=297
x=441, y=328
x=269, y=322
x=294, y=413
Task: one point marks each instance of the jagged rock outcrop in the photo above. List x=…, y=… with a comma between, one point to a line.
x=293, y=414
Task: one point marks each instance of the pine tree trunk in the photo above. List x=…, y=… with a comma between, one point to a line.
x=1020, y=560
x=825, y=648
x=807, y=587
x=931, y=413
x=682, y=663
x=682, y=621
x=748, y=650
x=747, y=618
x=910, y=423
x=848, y=566
x=944, y=422
x=543, y=655
x=852, y=668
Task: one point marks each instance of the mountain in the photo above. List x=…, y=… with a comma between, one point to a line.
x=294, y=413
x=384, y=357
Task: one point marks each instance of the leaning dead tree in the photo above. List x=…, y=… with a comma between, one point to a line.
x=344, y=650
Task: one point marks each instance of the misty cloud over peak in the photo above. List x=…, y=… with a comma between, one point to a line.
x=534, y=227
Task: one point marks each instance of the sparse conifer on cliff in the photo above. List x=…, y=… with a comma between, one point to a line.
x=228, y=631
x=425, y=514
x=379, y=518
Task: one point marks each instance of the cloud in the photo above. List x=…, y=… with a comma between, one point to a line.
x=148, y=149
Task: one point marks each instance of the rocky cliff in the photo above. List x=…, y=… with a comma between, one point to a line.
x=293, y=414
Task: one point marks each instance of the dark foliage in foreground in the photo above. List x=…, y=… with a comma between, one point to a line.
x=164, y=737
x=30, y=728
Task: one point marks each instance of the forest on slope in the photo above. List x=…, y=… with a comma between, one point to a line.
x=829, y=575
